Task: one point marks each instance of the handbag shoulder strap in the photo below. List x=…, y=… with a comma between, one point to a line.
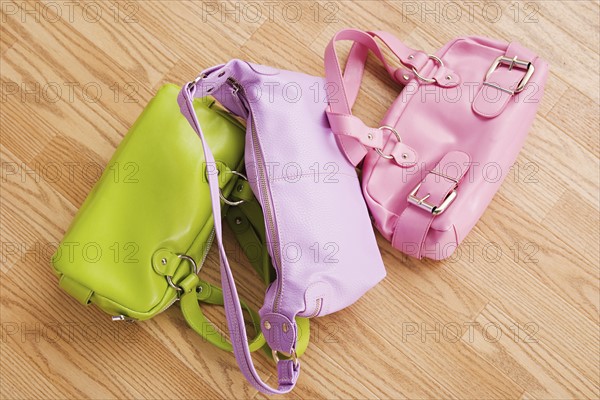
x=354, y=137
x=287, y=370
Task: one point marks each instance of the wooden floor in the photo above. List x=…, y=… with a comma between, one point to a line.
x=513, y=316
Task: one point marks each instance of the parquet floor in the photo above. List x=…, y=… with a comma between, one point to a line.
x=513, y=316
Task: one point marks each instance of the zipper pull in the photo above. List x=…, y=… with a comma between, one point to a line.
x=116, y=318
x=234, y=85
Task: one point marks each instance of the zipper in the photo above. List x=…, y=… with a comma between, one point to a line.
x=267, y=208
x=209, y=243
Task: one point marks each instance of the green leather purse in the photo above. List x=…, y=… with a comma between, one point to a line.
x=144, y=230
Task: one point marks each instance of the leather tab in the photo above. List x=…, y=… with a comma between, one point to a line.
x=349, y=125
x=404, y=155
x=76, y=289
x=189, y=283
x=165, y=262
x=205, y=293
x=242, y=191
x=414, y=223
x=491, y=101
x=403, y=75
x=288, y=372
x=212, y=81
x=219, y=169
x=279, y=331
x=416, y=59
x=445, y=77
x=496, y=92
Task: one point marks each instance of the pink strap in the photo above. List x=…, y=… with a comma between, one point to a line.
x=354, y=137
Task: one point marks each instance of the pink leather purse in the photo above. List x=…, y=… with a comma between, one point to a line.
x=448, y=140
x=319, y=235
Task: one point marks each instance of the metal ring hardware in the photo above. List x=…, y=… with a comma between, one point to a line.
x=293, y=356
x=424, y=79
x=395, y=132
x=229, y=202
x=195, y=270
x=195, y=81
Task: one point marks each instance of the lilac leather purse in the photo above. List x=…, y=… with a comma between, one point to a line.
x=319, y=234
x=446, y=143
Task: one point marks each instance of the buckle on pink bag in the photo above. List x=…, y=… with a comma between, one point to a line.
x=434, y=209
x=511, y=62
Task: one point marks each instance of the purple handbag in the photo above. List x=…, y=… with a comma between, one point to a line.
x=320, y=237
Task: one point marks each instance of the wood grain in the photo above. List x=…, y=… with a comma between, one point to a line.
x=513, y=314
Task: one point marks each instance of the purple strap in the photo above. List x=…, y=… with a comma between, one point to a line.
x=288, y=370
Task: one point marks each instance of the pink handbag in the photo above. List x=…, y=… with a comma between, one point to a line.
x=447, y=141
x=319, y=235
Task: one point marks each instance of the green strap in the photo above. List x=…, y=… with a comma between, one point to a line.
x=195, y=290
x=247, y=223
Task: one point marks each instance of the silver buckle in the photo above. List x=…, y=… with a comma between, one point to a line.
x=511, y=62
x=421, y=203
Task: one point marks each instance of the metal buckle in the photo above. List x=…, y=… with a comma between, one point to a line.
x=229, y=202
x=424, y=79
x=395, y=132
x=293, y=356
x=421, y=203
x=195, y=270
x=511, y=62
x=193, y=83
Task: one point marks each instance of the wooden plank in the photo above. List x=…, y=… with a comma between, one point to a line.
x=80, y=349
x=432, y=344
x=511, y=286
x=34, y=215
x=543, y=251
x=515, y=349
x=577, y=116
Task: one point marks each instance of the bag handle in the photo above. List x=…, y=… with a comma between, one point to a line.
x=196, y=290
x=354, y=137
x=287, y=370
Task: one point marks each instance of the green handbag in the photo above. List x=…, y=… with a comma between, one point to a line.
x=146, y=226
